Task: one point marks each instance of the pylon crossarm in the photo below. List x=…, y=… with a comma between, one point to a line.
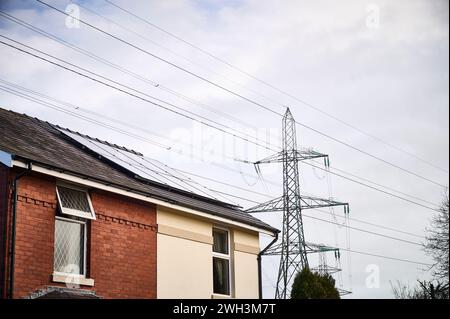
x=308, y=154
x=277, y=249
x=309, y=202
x=301, y=155
x=274, y=158
x=272, y=205
x=318, y=248
x=328, y=269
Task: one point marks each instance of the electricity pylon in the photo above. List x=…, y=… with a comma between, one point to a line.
x=293, y=247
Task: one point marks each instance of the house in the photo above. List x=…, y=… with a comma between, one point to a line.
x=75, y=224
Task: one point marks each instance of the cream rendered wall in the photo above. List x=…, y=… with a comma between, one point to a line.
x=246, y=238
x=246, y=275
x=175, y=218
x=246, y=248
x=183, y=265
x=184, y=257
x=183, y=268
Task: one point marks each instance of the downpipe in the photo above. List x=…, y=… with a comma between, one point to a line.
x=13, y=230
x=259, y=257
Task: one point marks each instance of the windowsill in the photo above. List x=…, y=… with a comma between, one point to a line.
x=73, y=279
x=219, y=296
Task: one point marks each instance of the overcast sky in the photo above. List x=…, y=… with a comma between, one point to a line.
x=381, y=66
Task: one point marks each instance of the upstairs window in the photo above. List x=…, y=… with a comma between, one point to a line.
x=221, y=262
x=70, y=246
x=75, y=209
x=74, y=202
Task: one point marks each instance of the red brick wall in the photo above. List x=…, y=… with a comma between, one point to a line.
x=123, y=247
x=121, y=242
x=35, y=229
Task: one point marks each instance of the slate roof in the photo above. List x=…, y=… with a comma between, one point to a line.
x=29, y=138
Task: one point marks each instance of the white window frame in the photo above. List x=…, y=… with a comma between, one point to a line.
x=223, y=256
x=75, y=212
x=84, y=272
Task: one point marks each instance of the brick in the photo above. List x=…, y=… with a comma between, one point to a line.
x=120, y=256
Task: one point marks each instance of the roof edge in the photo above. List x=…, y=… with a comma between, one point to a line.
x=147, y=197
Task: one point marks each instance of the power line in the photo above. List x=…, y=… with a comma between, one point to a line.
x=190, y=179
x=377, y=184
x=249, y=200
x=155, y=98
x=369, y=181
x=174, y=53
x=78, y=108
x=375, y=188
x=381, y=256
x=352, y=251
x=119, y=68
x=239, y=95
x=32, y=99
x=385, y=257
x=128, y=93
x=159, y=58
x=363, y=230
x=396, y=259
x=224, y=193
x=14, y=92
x=189, y=182
x=177, y=107
x=271, y=197
x=220, y=192
x=182, y=171
x=370, y=155
x=181, y=114
x=373, y=224
x=163, y=174
x=276, y=88
x=159, y=173
x=326, y=221
x=226, y=184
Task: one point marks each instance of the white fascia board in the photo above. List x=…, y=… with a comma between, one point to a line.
x=6, y=158
x=112, y=189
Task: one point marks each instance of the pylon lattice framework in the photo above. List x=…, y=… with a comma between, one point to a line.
x=293, y=247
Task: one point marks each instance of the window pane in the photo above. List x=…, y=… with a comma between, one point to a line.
x=221, y=276
x=220, y=244
x=69, y=247
x=74, y=199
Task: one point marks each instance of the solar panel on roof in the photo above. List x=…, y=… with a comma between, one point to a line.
x=143, y=167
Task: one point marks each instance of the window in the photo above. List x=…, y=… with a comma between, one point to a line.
x=221, y=262
x=75, y=208
x=75, y=202
x=70, y=246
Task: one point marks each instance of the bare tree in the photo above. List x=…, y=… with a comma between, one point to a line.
x=404, y=291
x=437, y=243
x=424, y=290
x=437, y=246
